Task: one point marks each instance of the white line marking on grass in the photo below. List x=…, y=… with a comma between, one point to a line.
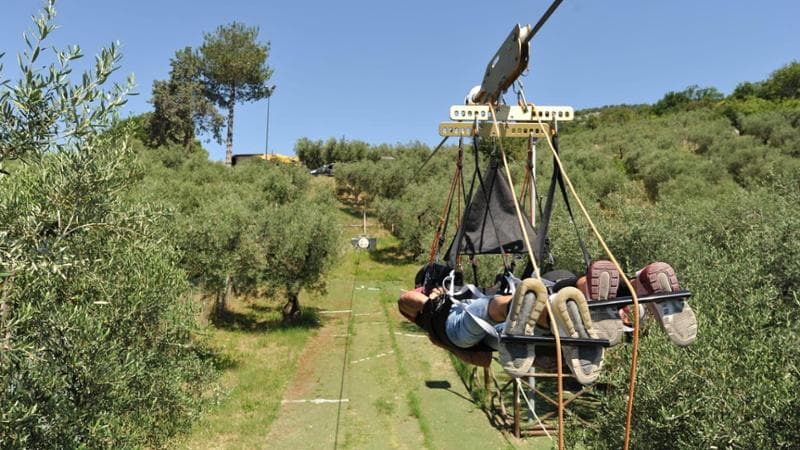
x=368, y=314
x=367, y=288
x=410, y=335
x=380, y=355
x=341, y=311
x=317, y=401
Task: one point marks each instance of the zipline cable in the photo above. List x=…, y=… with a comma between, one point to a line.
x=346, y=351
x=553, y=325
x=543, y=19
x=433, y=153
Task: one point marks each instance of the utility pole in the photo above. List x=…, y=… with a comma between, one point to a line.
x=364, y=210
x=266, y=146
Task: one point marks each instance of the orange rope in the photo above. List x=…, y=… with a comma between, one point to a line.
x=453, y=184
x=553, y=325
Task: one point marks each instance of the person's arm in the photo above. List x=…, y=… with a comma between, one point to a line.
x=410, y=303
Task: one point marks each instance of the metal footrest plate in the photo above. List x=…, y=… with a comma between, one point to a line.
x=551, y=340
x=625, y=301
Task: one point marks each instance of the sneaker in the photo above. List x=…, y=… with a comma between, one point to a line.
x=574, y=320
x=602, y=282
x=675, y=316
x=523, y=312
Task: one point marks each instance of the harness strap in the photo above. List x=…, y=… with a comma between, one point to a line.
x=441, y=228
x=541, y=237
x=455, y=250
x=586, y=258
x=535, y=267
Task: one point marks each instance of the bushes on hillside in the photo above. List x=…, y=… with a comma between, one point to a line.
x=244, y=228
x=734, y=386
x=692, y=97
x=317, y=153
x=783, y=83
x=95, y=349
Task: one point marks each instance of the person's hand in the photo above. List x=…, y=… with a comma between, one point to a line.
x=435, y=292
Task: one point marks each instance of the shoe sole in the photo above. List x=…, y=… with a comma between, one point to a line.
x=520, y=309
x=675, y=316
x=523, y=313
x=602, y=280
x=574, y=320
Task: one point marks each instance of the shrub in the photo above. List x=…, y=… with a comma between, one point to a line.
x=733, y=387
x=95, y=348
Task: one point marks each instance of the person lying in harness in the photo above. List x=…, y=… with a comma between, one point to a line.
x=469, y=322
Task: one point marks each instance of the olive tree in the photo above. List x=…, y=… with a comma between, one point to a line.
x=95, y=349
x=300, y=241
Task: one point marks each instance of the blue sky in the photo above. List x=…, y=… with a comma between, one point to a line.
x=388, y=71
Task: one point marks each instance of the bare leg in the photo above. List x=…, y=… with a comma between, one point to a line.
x=581, y=285
x=498, y=310
x=498, y=307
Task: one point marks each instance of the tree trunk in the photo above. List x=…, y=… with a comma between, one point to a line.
x=291, y=310
x=188, y=140
x=221, y=304
x=229, y=140
x=5, y=312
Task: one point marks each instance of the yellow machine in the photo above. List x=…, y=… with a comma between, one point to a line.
x=283, y=159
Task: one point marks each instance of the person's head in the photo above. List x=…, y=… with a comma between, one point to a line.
x=431, y=276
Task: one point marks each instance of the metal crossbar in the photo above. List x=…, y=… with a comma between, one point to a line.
x=625, y=301
x=551, y=340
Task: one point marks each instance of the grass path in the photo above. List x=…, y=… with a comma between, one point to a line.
x=365, y=378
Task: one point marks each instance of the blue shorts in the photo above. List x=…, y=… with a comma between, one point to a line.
x=462, y=328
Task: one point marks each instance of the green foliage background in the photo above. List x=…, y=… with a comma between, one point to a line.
x=105, y=244
x=95, y=327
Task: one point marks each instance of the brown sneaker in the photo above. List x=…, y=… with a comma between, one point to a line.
x=675, y=316
x=602, y=282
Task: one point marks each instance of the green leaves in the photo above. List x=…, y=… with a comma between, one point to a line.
x=181, y=108
x=94, y=342
x=44, y=111
x=234, y=61
x=257, y=225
